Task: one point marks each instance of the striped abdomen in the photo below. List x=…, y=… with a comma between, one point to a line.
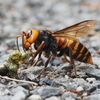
x=79, y=51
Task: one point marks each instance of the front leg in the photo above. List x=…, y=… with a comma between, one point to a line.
x=35, y=63
x=44, y=66
x=65, y=56
x=40, y=48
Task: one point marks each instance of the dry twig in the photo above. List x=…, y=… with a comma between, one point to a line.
x=18, y=80
x=2, y=85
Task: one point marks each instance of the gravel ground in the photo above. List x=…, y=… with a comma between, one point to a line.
x=57, y=82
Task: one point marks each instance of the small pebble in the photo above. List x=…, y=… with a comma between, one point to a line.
x=66, y=76
x=84, y=94
x=90, y=80
x=92, y=89
x=20, y=95
x=79, y=89
x=53, y=98
x=35, y=97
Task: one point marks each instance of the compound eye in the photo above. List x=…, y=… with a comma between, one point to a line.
x=28, y=34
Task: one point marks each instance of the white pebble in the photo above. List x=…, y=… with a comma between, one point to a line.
x=66, y=76
x=34, y=97
x=52, y=98
x=84, y=94
x=79, y=89
x=91, y=80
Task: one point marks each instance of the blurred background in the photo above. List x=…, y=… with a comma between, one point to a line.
x=21, y=15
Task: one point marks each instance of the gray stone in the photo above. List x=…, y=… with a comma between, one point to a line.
x=20, y=95
x=47, y=91
x=97, y=91
x=91, y=89
x=68, y=95
x=71, y=83
x=57, y=82
x=69, y=98
x=56, y=62
x=25, y=85
x=32, y=70
x=18, y=89
x=96, y=61
x=94, y=73
x=10, y=42
x=12, y=84
x=4, y=91
x=49, y=82
x=4, y=57
x=96, y=83
x=93, y=97
x=66, y=66
x=6, y=97
x=35, y=97
x=53, y=98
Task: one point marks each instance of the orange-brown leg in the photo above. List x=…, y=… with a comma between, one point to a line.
x=66, y=58
x=44, y=66
x=36, y=60
x=72, y=60
x=42, y=45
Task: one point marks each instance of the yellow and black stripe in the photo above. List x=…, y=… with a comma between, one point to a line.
x=79, y=51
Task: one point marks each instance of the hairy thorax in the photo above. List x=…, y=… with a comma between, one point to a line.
x=51, y=43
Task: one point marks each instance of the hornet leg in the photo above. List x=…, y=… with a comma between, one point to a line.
x=42, y=45
x=44, y=66
x=72, y=61
x=36, y=60
x=66, y=58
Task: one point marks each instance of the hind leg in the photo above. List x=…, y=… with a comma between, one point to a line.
x=72, y=61
x=68, y=51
